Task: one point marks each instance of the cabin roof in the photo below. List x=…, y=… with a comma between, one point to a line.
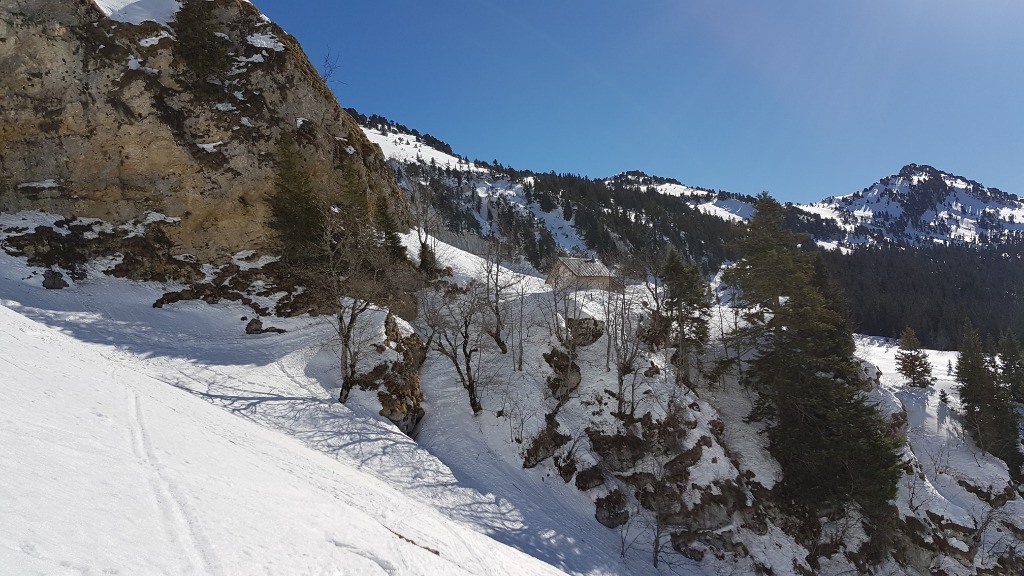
x=585, y=267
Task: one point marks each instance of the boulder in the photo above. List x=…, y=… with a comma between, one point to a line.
x=611, y=509
x=53, y=280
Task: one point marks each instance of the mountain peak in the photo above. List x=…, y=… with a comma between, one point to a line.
x=923, y=205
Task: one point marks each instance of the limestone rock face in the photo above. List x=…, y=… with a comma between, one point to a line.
x=97, y=119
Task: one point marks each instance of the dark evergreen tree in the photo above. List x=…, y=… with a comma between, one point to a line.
x=688, y=305
x=296, y=216
x=1011, y=363
x=932, y=289
x=989, y=415
x=833, y=447
x=912, y=362
x=389, y=234
x=204, y=54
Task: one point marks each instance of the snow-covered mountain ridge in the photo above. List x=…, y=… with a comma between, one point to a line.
x=918, y=206
x=922, y=205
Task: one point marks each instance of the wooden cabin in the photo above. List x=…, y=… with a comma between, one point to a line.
x=581, y=273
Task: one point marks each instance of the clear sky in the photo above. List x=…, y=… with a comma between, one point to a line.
x=802, y=98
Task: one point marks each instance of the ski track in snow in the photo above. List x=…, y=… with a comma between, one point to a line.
x=180, y=523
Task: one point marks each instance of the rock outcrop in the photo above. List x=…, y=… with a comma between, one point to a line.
x=98, y=119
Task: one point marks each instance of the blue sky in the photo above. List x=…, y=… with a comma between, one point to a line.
x=802, y=98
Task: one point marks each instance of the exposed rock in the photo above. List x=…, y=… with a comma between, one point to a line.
x=567, y=376
x=544, y=445
x=566, y=466
x=620, y=452
x=611, y=509
x=402, y=398
x=993, y=497
x=584, y=331
x=53, y=280
x=652, y=371
x=397, y=385
x=255, y=326
x=590, y=478
x=680, y=465
x=144, y=257
x=116, y=141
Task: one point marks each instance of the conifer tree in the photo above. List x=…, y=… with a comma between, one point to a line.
x=989, y=415
x=833, y=447
x=197, y=45
x=296, y=216
x=912, y=362
x=389, y=234
x=1011, y=363
x=688, y=306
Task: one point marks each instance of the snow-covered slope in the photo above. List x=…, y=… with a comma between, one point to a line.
x=726, y=206
x=187, y=446
x=139, y=11
x=481, y=185
x=144, y=441
x=964, y=492
x=107, y=470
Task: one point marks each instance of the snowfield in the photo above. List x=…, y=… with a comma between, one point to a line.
x=142, y=441
x=107, y=470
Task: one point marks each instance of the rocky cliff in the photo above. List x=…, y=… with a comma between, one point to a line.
x=99, y=118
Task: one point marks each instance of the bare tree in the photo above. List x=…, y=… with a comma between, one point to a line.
x=499, y=281
x=563, y=309
x=519, y=324
x=356, y=273
x=453, y=318
x=329, y=65
x=623, y=325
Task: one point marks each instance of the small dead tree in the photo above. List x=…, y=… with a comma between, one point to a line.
x=623, y=333
x=357, y=274
x=453, y=318
x=329, y=65
x=499, y=281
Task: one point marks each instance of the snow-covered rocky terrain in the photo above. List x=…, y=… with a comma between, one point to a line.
x=485, y=185
x=167, y=440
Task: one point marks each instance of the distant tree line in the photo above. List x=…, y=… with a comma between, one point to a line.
x=931, y=290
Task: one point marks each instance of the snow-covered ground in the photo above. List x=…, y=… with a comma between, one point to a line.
x=708, y=202
x=107, y=470
x=167, y=440
x=115, y=461
x=953, y=480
